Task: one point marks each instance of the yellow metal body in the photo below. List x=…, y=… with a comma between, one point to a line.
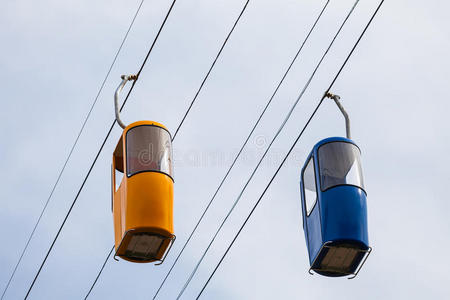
x=143, y=203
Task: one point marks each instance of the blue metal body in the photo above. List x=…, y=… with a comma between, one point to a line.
x=339, y=216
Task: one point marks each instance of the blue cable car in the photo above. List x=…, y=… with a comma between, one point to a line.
x=334, y=206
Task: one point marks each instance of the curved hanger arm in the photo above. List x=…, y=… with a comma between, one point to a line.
x=125, y=78
x=336, y=99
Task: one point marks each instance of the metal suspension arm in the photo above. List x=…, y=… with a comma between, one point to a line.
x=336, y=99
x=125, y=78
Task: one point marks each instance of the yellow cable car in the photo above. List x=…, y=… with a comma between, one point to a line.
x=142, y=190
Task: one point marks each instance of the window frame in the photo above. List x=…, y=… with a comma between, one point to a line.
x=310, y=159
x=144, y=171
x=341, y=184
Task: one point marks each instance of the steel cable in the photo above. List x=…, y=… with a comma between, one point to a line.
x=241, y=149
x=266, y=151
x=98, y=153
x=183, y=119
x=71, y=151
x=290, y=150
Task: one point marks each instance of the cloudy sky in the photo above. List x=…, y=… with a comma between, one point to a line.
x=55, y=55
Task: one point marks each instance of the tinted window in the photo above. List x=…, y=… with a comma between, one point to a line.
x=309, y=184
x=149, y=148
x=339, y=164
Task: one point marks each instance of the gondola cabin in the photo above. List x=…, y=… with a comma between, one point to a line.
x=334, y=208
x=142, y=192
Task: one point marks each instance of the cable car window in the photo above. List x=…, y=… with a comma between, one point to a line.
x=340, y=164
x=118, y=163
x=309, y=184
x=149, y=148
x=117, y=178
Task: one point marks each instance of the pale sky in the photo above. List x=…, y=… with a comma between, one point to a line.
x=55, y=55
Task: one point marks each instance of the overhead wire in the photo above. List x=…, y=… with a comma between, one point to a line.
x=292, y=147
x=266, y=151
x=99, y=273
x=210, y=69
x=100, y=150
x=71, y=150
x=184, y=117
x=242, y=147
